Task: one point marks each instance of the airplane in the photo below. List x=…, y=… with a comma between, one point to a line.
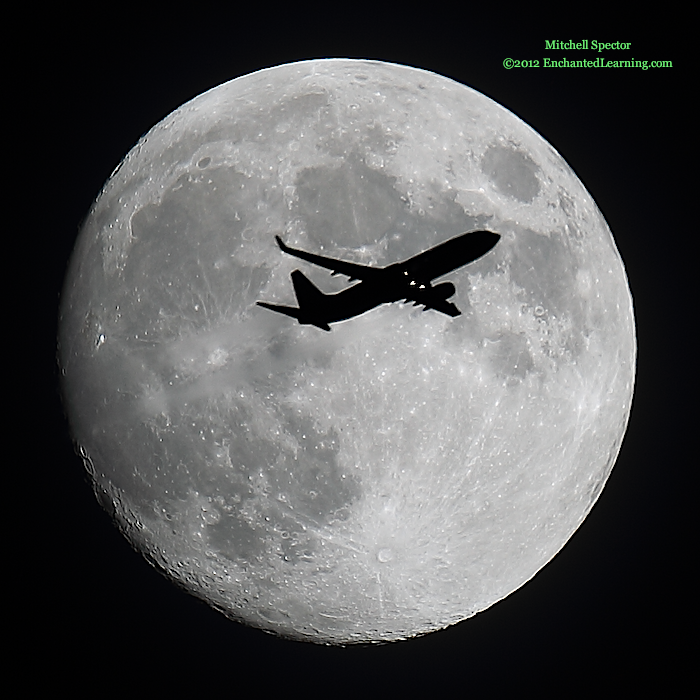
x=409, y=281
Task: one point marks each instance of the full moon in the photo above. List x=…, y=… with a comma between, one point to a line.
x=406, y=470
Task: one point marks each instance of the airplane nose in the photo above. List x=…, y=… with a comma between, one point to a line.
x=483, y=241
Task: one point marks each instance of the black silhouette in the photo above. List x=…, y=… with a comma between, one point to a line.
x=409, y=280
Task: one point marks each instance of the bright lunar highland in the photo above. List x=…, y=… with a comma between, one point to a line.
x=404, y=471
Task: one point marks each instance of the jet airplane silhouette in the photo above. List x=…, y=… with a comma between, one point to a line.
x=410, y=281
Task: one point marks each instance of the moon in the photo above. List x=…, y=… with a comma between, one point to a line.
x=405, y=471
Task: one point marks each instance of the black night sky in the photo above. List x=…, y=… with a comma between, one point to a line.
x=608, y=612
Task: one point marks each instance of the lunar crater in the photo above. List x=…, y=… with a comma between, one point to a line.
x=512, y=171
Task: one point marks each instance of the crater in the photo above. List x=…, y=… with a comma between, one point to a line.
x=509, y=355
x=385, y=555
x=512, y=172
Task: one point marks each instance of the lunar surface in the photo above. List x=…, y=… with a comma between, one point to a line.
x=404, y=471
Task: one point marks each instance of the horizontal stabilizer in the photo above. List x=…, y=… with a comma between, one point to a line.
x=286, y=310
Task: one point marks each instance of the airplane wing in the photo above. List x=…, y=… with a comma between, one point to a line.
x=352, y=270
x=450, y=255
x=446, y=307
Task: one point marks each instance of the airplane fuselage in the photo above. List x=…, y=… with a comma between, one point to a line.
x=356, y=300
x=369, y=294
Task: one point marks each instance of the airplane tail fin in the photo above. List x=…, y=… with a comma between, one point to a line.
x=308, y=294
x=310, y=299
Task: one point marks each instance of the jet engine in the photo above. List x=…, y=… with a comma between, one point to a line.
x=443, y=291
